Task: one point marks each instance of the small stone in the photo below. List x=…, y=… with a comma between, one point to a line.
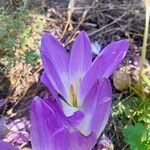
x=121, y=80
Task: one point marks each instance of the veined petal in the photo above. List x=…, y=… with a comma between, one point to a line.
x=76, y=118
x=102, y=111
x=104, y=65
x=57, y=80
x=45, y=121
x=56, y=63
x=55, y=52
x=80, y=142
x=46, y=81
x=88, y=108
x=100, y=117
x=72, y=140
x=7, y=146
x=80, y=61
x=73, y=114
x=80, y=58
x=96, y=109
x=47, y=118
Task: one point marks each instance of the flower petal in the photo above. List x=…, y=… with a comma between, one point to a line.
x=88, y=108
x=46, y=81
x=47, y=118
x=96, y=108
x=7, y=146
x=56, y=63
x=57, y=80
x=104, y=65
x=55, y=52
x=72, y=140
x=80, y=58
x=73, y=113
x=76, y=118
x=45, y=121
x=103, y=108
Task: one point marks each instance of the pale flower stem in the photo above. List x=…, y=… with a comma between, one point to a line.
x=144, y=47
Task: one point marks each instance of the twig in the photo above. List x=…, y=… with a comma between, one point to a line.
x=75, y=30
x=104, y=27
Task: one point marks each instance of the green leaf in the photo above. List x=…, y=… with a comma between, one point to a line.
x=137, y=137
x=31, y=57
x=144, y=112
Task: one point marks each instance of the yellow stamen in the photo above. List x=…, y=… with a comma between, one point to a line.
x=73, y=97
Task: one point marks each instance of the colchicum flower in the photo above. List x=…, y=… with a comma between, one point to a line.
x=81, y=90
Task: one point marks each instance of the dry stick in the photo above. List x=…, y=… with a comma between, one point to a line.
x=75, y=30
x=112, y=30
x=115, y=127
x=125, y=147
x=71, y=6
x=104, y=27
x=67, y=24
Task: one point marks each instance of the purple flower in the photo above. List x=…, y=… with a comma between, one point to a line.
x=77, y=118
x=52, y=130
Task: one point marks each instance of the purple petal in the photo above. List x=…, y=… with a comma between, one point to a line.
x=88, y=108
x=55, y=61
x=72, y=140
x=69, y=111
x=104, y=65
x=76, y=118
x=80, y=58
x=47, y=82
x=103, y=108
x=7, y=146
x=45, y=121
x=55, y=52
x=47, y=118
x=81, y=142
x=72, y=114
x=96, y=108
x=57, y=80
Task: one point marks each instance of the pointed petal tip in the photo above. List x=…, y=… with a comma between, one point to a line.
x=42, y=78
x=81, y=49
x=46, y=36
x=46, y=33
x=36, y=103
x=36, y=98
x=124, y=42
x=83, y=33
